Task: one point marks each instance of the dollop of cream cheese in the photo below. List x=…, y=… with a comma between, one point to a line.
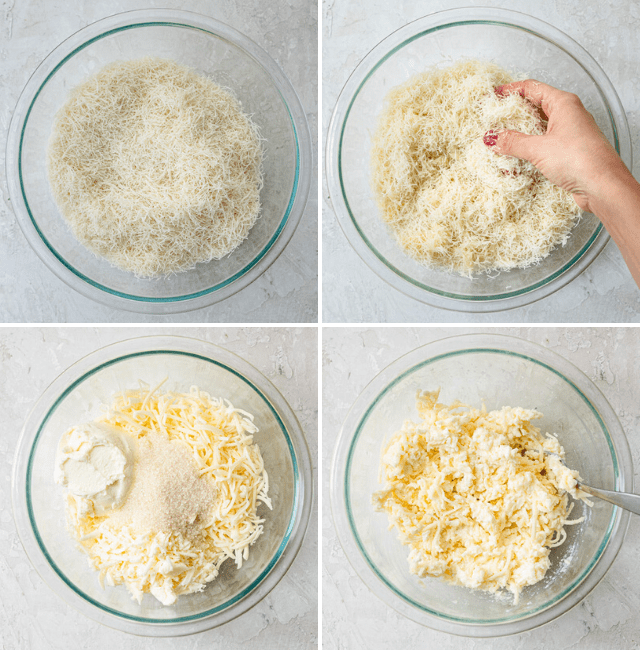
x=95, y=462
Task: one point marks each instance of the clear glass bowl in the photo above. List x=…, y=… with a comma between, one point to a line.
x=501, y=371
x=225, y=56
x=75, y=396
x=520, y=44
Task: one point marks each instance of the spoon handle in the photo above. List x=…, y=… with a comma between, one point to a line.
x=625, y=500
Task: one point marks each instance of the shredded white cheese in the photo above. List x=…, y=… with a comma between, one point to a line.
x=451, y=201
x=474, y=495
x=155, y=167
x=165, y=563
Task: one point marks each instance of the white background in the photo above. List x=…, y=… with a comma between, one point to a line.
x=354, y=618
x=32, y=617
x=605, y=293
x=287, y=291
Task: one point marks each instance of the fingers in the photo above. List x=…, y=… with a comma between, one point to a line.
x=540, y=94
x=512, y=143
x=534, y=91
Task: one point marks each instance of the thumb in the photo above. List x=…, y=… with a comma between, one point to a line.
x=511, y=143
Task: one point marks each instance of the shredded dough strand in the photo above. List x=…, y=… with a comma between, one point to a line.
x=155, y=167
x=450, y=201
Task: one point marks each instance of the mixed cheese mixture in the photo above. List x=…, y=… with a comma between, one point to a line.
x=479, y=497
x=163, y=489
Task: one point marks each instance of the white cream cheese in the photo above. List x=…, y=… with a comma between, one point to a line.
x=95, y=463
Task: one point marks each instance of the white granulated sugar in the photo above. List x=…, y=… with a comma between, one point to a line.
x=167, y=494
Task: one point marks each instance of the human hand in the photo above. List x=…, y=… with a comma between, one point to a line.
x=573, y=153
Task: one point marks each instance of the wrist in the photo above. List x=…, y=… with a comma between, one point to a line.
x=609, y=189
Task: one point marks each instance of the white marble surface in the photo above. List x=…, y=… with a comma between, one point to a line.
x=605, y=292
x=288, y=291
x=32, y=617
x=354, y=618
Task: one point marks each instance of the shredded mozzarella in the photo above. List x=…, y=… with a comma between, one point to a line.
x=167, y=564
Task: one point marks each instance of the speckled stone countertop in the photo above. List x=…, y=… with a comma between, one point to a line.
x=605, y=292
x=32, y=617
x=354, y=618
x=288, y=291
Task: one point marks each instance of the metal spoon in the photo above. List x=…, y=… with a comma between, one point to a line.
x=625, y=500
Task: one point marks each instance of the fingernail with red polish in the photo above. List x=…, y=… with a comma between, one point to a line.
x=498, y=90
x=490, y=138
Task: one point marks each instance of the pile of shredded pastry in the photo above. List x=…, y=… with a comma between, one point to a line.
x=450, y=201
x=168, y=563
x=155, y=167
x=474, y=495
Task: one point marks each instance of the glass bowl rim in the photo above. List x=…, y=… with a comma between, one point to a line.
x=100, y=359
x=115, y=24
x=404, y=366
x=388, y=46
